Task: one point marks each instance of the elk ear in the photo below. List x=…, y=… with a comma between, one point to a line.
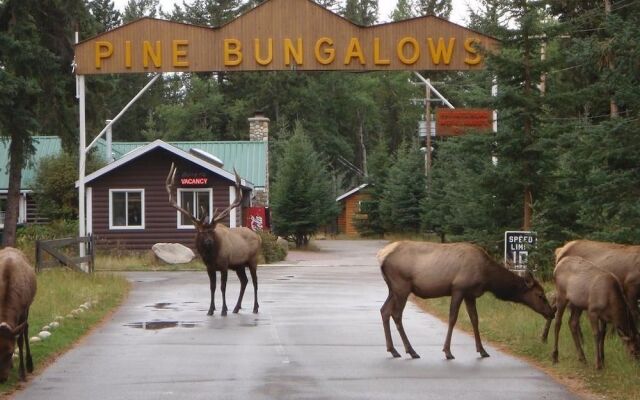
x=529, y=281
x=18, y=329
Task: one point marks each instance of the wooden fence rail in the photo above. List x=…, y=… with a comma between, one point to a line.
x=60, y=258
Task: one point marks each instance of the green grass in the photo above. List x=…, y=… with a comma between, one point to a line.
x=141, y=262
x=59, y=292
x=517, y=329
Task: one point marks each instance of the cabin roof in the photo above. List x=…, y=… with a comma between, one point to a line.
x=140, y=151
x=248, y=158
x=352, y=191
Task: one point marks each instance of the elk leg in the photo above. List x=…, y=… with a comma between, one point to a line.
x=598, y=333
x=561, y=304
x=603, y=333
x=385, y=311
x=223, y=289
x=398, y=308
x=253, y=266
x=547, y=323
x=454, y=308
x=574, y=325
x=23, y=375
x=26, y=344
x=212, y=287
x=470, y=303
x=242, y=275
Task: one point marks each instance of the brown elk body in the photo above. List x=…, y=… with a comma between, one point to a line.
x=17, y=290
x=460, y=270
x=621, y=260
x=222, y=248
x=583, y=286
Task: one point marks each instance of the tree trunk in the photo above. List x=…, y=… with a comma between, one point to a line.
x=16, y=154
x=363, y=148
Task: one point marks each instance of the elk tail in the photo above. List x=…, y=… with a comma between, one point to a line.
x=385, y=251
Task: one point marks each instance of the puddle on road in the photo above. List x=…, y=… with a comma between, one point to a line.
x=162, y=306
x=155, y=325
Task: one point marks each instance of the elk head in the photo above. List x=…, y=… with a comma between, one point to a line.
x=533, y=295
x=204, y=227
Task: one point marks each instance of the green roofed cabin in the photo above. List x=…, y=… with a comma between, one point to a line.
x=127, y=203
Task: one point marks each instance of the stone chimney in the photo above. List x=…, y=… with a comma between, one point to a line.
x=259, y=132
x=259, y=127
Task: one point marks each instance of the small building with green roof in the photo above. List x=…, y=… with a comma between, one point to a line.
x=127, y=204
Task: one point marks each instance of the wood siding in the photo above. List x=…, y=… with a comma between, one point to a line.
x=279, y=25
x=149, y=172
x=350, y=207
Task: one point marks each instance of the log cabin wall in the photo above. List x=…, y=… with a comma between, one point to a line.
x=149, y=172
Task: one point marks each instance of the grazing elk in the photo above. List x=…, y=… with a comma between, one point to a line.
x=583, y=286
x=222, y=248
x=17, y=290
x=461, y=270
x=621, y=260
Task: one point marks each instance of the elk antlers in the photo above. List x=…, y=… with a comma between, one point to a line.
x=170, y=185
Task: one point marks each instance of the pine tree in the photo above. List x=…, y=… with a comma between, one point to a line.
x=301, y=199
x=403, y=10
x=404, y=191
x=36, y=87
x=105, y=14
x=362, y=12
x=439, y=8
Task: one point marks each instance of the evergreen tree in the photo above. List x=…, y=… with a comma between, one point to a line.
x=403, y=10
x=362, y=12
x=439, y=8
x=301, y=198
x=36, y=87
x=140, y=8
x=105, y=14
x=404, y=191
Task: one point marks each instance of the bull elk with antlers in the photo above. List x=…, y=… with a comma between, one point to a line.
x=222, y=248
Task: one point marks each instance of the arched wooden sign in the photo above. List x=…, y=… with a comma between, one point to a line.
x=283, y=35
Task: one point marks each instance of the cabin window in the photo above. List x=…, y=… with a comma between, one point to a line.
x=126, y=209
x=200, y=200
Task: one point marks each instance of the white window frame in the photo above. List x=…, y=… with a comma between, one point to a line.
x=194, y=190
x=142, y=206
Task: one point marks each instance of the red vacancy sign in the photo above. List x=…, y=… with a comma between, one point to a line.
x=454, y=122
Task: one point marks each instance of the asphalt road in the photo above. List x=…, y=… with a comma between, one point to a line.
x=318, y=336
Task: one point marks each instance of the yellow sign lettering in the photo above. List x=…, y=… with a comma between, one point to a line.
x=127, y=54
x=324, y=45
x=470, y=47
x=149, y=52
x=441, y=51
x=354, y=50
x=180, y=53
x=376, y=54
x=259, y=59
x=232, y=52
x=290, y=51
x=415, y=48
x=104, y=50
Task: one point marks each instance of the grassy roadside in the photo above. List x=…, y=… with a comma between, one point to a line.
x=61, y=291
x=516, y=329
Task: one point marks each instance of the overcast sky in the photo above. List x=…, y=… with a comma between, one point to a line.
x=458, y=15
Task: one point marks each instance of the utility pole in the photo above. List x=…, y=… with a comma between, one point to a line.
x=613, y=105
x=427, y=119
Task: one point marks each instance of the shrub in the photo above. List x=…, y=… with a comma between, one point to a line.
x=272, y=251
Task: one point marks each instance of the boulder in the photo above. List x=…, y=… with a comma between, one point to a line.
x=173, y=253
x=282, y=242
